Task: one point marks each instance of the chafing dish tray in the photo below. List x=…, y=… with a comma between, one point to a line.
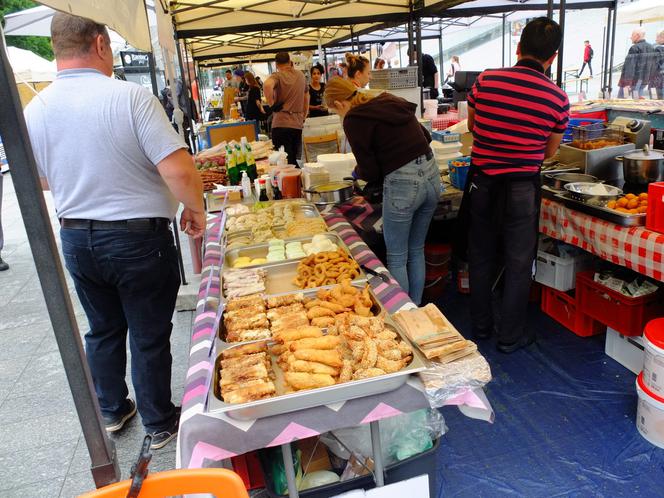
x=604, y=213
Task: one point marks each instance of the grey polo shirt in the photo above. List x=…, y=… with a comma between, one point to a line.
x=97, y=141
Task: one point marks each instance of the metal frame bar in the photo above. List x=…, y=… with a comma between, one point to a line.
x=104, y=463
x=561, y=50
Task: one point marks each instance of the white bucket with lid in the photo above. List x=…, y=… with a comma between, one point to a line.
x=653, y=361
x=649, y=414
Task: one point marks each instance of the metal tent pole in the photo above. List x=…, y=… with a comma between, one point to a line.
x=441, y=59
x=561, y=21
x=503, y=40
x=104, y=464
x=613, y=46
x=153, y=74
x=605, y=35
x=549, y=9
x=420, y=75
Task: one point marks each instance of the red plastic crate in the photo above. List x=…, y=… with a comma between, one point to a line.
x=564, y=309
x=627, y=315
x=248, y=467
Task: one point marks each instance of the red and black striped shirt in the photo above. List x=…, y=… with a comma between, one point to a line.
x=516, y=111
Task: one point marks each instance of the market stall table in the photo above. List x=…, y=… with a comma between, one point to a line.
x=205, y=438
x=633, y=247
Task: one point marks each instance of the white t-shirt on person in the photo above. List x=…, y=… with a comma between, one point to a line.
x=97, y=141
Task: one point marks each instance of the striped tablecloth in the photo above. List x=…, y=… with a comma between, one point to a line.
x=205, y=438
x=633, y=247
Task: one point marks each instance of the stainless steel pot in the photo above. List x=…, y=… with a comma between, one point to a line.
x=558, y=181
x=329, y=193
x=643, y=166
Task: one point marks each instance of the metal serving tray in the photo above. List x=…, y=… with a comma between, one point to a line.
x=377, y=307
x=286, y=403
x=260, y=250
x=623, y=219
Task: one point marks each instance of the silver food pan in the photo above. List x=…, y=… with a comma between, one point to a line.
x=286, y=403
x=377, y=307
x=279, y=278
x=261, y=250
x=604, y=213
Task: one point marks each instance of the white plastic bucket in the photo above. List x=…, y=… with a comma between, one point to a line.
x=653, y=361
x=430, y=109
x=649, y=414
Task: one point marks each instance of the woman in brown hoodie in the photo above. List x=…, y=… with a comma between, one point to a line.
x=391, y=147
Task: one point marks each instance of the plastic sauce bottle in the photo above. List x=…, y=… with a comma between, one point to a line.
x=250, y=160
x=240, y=159
x=246, y=186
x=263, y=187
x=231, y=167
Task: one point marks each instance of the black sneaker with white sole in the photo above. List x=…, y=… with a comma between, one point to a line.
x=162, y=438
x=117, y=422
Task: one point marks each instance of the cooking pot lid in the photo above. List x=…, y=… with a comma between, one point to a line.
x=642, y=154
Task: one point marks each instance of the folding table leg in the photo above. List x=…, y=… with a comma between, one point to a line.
x=377, y=454
x=290, y=470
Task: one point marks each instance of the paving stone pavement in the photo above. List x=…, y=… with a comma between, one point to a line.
x=42, y=450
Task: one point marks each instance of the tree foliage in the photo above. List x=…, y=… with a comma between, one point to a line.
x=40, y=45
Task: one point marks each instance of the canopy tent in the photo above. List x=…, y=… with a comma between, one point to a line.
x=126, y=17
x=642, y=11
x=205, y=17
x=485, y=7
x=37, y=22
x=28, y=67
x=269, y=41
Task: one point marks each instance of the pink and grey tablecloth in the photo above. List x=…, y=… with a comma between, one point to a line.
x=205, y=438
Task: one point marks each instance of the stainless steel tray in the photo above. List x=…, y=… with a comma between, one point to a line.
x=377, y=308
x=286, y=403
x=279, y=278
x=260, y=250
x=626, y=220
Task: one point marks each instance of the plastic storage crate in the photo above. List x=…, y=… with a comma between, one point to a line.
x=627, y=315
x=393, y=79
x=564, y=309
x=424, y=463
x=558, y=272
x=445, y=137
x=628, y=351
x=459, y=172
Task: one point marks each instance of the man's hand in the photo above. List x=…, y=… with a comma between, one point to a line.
x=192, y=223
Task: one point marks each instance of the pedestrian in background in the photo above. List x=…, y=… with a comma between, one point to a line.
x=286, y=92
x=117, y=171
x=637, y=67
x=588, y=54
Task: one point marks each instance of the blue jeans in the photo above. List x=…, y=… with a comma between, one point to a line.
x=410, y=198
x=127, y=281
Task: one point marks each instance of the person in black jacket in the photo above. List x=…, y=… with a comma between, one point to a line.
x=316, y=90
x=637, y=68
x=255, y=109
x=391, y=148
x=657, y=78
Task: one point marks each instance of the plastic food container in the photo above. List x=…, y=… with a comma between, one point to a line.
x=649, y=414
x=653, y=364
x=290, y=182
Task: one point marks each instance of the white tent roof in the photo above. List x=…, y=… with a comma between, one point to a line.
x=642, y=11
x=205, y=17
x=29, y=67
x=126, y=17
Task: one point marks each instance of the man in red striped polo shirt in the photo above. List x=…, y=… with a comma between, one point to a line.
x=517, y=116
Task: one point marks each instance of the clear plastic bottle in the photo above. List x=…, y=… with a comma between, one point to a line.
x=231, y=166
x=246, y=186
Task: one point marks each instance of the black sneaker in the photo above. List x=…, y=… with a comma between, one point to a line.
x=114, y=424
x=523, y=342
x=162, y=438
x=3, y=266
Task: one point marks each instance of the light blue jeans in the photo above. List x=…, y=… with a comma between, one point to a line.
x=410, y=197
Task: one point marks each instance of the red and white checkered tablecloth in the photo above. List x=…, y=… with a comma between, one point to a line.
x=635, y=247
x=446, y=120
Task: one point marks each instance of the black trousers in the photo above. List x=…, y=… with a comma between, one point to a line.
x=583, y=66
x=504, y=217
x=290, y=139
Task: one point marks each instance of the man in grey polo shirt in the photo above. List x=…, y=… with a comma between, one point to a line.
x=117, y=171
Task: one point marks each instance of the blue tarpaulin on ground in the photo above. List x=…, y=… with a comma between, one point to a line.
x=564, y=423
